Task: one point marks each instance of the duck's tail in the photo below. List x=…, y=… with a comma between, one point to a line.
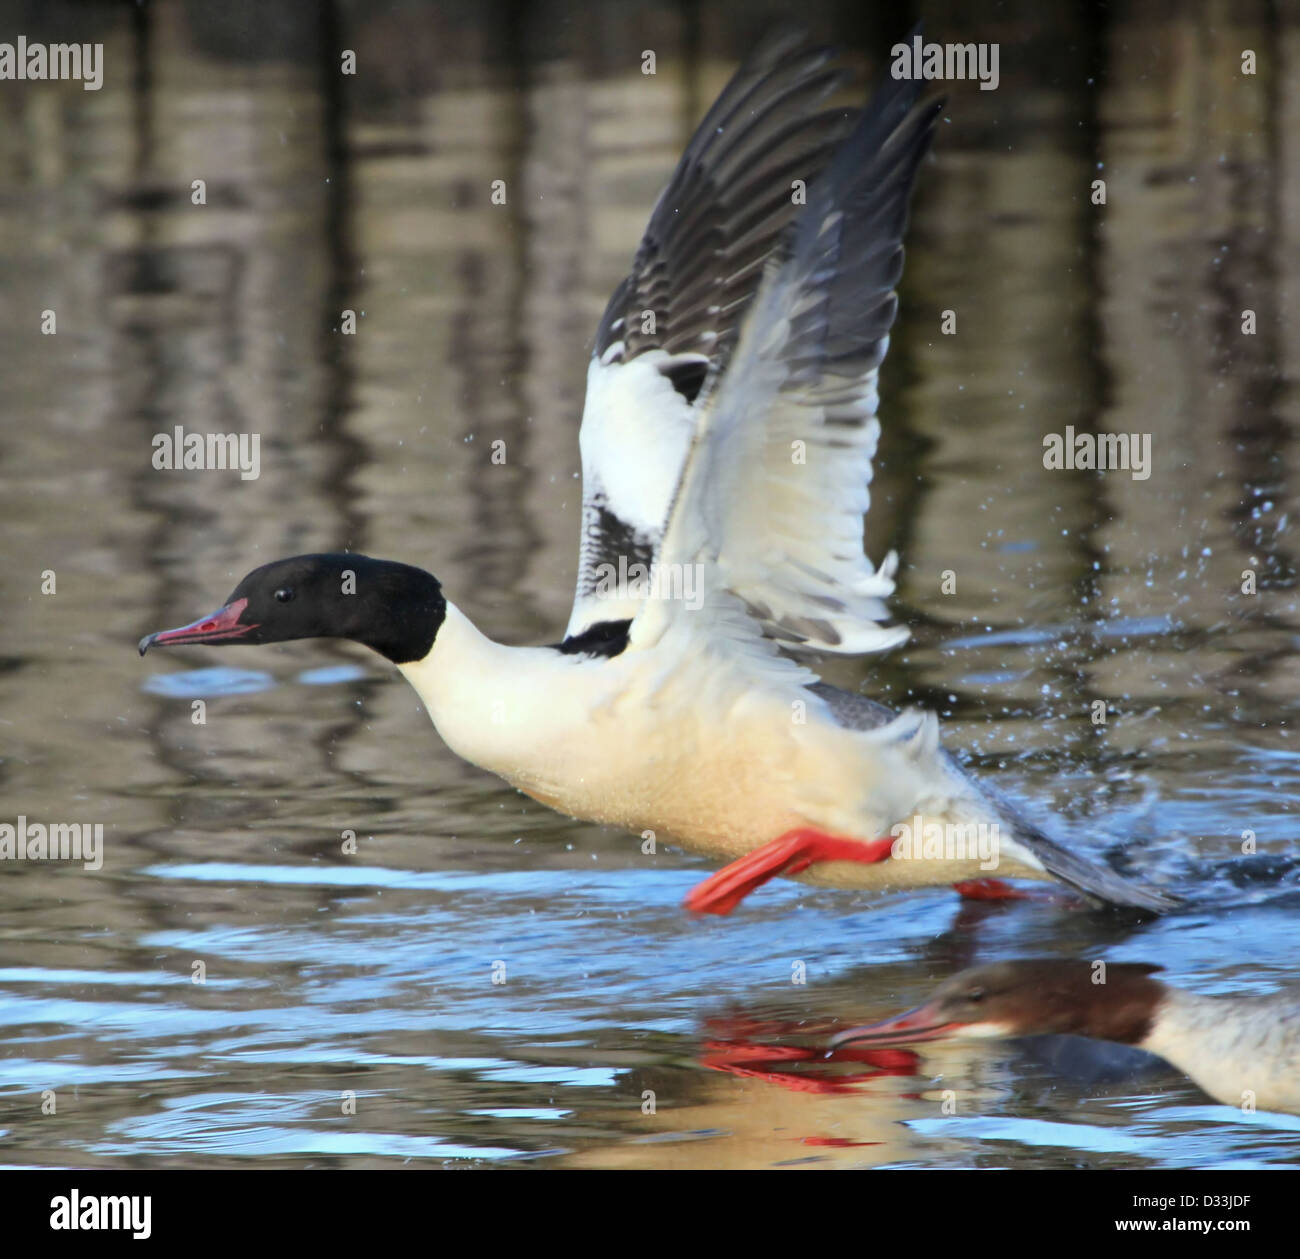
x=1096, y=881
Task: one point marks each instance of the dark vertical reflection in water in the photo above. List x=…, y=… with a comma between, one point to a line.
x=341, y=290
x=346, y=524
x=1093, y=65
x=1081, y=87
x=139, y=346
x=493, y=353
x=1263, y=436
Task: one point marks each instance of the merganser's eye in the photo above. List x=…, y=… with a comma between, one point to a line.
x=283, y=595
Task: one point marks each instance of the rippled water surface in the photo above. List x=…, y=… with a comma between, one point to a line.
x=382, y=929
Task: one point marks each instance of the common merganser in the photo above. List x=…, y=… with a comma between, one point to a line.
x=727, y=442
x=1240, y=1050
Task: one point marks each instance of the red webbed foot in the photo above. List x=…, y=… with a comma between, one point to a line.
x=790, y=854
x=997, y=890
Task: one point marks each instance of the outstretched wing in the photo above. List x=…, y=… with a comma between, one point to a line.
x=774, y=490
x=673, y=322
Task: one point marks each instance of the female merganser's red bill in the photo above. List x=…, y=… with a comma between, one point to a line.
x=1008, y=998
x=1244, y=1051
x=708, y=557
x=923, y=1022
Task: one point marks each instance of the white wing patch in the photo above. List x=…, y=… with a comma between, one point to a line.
x=636, y=433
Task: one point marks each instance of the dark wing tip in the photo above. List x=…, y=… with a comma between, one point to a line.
x=722, y=213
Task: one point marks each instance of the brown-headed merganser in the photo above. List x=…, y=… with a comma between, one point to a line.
x=727, y=443
x=1244, y=1051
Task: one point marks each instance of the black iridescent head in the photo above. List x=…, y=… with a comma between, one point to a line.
x=393, y=608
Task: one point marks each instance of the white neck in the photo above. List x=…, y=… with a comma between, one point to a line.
x=493, y=705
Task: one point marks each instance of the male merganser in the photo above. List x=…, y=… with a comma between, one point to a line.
x=1240, y=1050
x=727, y=441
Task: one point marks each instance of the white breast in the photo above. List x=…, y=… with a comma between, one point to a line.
x=678, y=741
